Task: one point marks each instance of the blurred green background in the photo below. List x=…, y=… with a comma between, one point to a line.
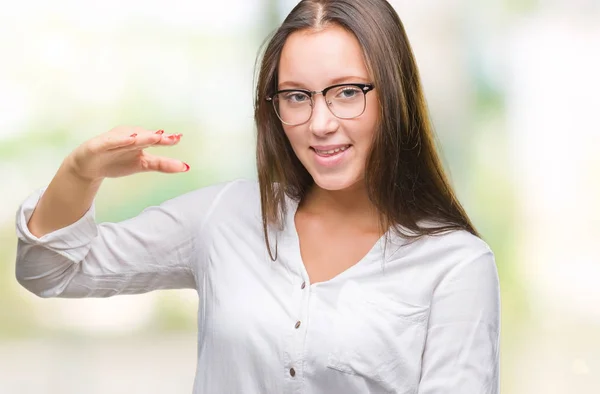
x=512, y=88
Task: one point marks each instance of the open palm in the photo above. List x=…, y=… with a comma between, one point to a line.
x=121, y=152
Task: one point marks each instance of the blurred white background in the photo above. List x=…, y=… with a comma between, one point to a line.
x=513, y=91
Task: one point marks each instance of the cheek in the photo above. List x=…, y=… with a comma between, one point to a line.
x=373, y=113
x=295, y=136
x=291, y=135
x=365, y=131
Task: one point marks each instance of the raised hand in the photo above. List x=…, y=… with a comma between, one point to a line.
x=121, y=152
x=116, y=153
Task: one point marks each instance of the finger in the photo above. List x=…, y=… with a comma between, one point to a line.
x=121, y=137
x=161, y=140
x=162, y=164
x=144, y=139
x=169, y=139
x=109, y=141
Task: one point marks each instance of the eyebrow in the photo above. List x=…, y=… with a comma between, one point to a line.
x=335, y=81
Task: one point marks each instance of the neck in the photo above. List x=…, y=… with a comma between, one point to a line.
x=349, y=204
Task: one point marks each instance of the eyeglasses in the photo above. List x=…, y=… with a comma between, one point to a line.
x=346, y=101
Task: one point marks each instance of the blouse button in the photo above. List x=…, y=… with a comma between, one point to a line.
x=303, y=285
x=292, y=372
x=297, y=324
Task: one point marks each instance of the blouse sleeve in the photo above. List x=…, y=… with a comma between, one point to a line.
x=461, y=353
x=158, y=249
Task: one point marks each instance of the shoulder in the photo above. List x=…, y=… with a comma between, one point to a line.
x=219, y=201
x=207, y=198
x=237, y=197
x=448, y=256
x=455, y=244
x=467, y=255
x=231, y=201
x=230, y=192
x=460, y=244
x=240, y=192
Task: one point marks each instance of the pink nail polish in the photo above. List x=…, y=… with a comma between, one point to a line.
x=187, y=167
x=159, y=132
x=133, y=135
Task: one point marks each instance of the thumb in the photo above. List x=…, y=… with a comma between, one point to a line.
x=162, y=164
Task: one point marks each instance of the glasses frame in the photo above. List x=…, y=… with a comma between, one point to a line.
x=364, y=87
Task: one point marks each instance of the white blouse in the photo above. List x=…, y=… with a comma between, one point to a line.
x=410, y=317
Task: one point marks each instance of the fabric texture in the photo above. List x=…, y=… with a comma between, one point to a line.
x=409, y=317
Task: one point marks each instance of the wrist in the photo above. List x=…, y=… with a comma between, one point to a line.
x=68, y=170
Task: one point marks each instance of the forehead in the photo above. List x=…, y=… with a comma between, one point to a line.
x=316, y=59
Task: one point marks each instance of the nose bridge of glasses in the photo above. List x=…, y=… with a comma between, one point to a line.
x=323, y=93
x=322, y=118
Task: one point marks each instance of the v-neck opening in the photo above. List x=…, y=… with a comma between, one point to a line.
x=293, y=239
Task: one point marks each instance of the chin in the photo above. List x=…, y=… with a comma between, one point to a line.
x=335, y=182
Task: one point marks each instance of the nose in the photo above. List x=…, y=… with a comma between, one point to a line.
x=322, y=121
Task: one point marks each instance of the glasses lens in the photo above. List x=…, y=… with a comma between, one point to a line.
x=346, y=101
x=293, y=108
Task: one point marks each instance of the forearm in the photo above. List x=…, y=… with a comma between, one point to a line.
x=67, y=198
x=158, y=249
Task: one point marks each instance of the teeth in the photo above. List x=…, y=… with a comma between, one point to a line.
x=332, y=151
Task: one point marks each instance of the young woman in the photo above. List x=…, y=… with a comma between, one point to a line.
x=350, y=267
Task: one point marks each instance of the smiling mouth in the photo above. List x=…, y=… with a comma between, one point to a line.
x=331, y=152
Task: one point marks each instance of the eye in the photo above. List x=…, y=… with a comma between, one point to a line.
x=295, y=97
x=348, y=92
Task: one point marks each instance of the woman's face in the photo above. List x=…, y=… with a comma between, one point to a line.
x=333, y=150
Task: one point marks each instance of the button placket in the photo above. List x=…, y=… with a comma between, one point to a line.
x=300, y=326
x=297, y=335
x=299, y=330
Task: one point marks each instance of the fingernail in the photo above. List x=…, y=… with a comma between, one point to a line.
x=133, y=135
x=159, y=132
x=187, y=167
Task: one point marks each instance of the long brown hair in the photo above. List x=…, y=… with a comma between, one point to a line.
x=404, y=176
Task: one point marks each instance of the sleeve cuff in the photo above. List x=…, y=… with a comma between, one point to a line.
x=72, y=242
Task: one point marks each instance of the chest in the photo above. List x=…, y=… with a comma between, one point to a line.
x=327, y=251
x=336, y=335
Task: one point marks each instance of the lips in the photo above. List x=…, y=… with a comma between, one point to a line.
x=330, y=150
x=331, y=156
